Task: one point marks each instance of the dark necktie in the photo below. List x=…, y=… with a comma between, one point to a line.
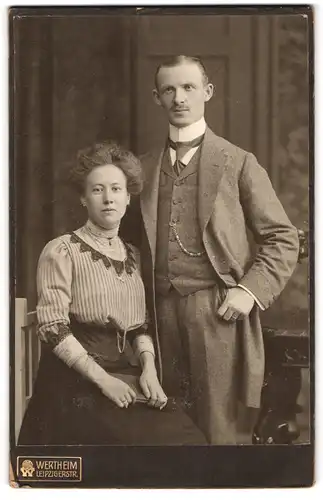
x=181, y=149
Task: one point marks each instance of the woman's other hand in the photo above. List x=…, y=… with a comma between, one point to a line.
x=152, y=389
x=149, y=382
x=118, y=391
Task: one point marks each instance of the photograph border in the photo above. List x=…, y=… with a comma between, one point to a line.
x=200, y=467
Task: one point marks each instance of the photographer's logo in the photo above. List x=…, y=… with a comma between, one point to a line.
x=49, y=468
x=27, y=468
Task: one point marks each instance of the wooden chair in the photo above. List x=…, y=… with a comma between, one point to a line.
x=27, y=354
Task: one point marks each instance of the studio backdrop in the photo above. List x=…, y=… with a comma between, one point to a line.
x=83, y=79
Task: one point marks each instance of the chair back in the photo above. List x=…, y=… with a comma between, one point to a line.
x=27, y=354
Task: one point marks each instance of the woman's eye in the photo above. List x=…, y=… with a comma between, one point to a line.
x=116, y=188
x=97, y=190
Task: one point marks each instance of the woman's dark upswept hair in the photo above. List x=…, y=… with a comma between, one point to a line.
x=107, y=153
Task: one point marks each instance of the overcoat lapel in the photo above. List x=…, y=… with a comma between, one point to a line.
x=149, y=197
x=212, y=165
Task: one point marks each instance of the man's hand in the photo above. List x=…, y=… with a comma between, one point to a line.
x=237, y=304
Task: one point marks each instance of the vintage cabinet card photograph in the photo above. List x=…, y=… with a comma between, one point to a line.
x=161, y=233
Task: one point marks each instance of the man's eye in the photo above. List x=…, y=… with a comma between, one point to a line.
x=188, y=87
x=169, y=90
x=116, y=188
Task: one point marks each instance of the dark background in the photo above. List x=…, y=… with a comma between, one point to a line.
x=82, y=78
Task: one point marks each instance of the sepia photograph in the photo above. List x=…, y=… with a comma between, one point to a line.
x=161, y=233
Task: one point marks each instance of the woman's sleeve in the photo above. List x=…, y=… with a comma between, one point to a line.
x=54, y=280
x=143, y=341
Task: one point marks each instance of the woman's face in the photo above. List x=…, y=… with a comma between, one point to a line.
x=106, y=196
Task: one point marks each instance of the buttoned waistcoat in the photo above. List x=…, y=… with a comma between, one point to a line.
x=177, y=204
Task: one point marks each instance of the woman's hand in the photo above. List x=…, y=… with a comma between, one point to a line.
x=149, y=382
x=118, y=391
x=152, y=389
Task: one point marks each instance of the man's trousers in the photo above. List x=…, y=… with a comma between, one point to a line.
x=202, y=363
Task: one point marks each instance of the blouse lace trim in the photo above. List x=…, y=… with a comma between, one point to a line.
x=55, y=334
x=129, y=264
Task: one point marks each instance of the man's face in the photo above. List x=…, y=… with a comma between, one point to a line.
x=182, y=92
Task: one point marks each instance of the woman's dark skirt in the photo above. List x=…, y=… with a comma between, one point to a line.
x=67, y=409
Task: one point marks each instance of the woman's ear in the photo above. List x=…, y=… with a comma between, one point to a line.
x=83, y=202
x=128, y=200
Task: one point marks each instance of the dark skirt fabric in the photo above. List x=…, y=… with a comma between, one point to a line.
x=67, y=409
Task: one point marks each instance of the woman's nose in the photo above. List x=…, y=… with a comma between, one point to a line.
x=107, y=196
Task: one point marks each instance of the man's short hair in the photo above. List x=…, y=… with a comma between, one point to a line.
x=177, y=61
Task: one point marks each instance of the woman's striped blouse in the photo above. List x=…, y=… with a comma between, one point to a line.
x=72, y=279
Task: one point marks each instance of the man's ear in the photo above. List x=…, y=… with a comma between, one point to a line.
x=209, y=90
x=156, y=97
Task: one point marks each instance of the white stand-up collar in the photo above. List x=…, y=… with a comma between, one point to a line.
x=188, y=133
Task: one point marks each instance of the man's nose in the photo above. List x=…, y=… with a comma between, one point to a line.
x=179, y=96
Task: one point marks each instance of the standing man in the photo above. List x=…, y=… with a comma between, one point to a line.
x=205, y=283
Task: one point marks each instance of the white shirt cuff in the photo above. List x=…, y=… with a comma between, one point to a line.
x=253, y=296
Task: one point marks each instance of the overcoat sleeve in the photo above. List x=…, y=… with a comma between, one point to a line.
x=275, y=236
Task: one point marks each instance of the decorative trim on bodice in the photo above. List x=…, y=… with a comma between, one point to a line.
x=129, y=264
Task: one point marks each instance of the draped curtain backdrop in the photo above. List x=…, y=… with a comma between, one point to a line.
x=81, y=79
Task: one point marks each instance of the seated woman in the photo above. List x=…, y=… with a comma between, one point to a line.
x=96, y=342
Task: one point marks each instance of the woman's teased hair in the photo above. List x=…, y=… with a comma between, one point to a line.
x=107, y=153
